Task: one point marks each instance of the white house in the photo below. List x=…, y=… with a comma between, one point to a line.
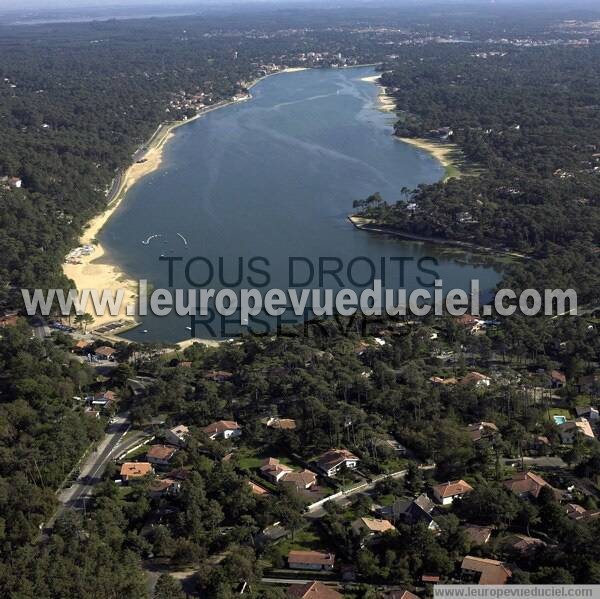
x=333, y=460
x=177, y=435
x=568, y=431
x=274, y=470
x=446, y=493
x=160, y=455
x=311, y=560
x=223, y=429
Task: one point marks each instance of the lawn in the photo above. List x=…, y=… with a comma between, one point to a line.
x=558, y=412
x=304, y=540
x=251, y=459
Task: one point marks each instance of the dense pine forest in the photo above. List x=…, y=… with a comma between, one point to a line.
x=526, y=120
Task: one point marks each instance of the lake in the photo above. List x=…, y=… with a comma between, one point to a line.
x=275, y=177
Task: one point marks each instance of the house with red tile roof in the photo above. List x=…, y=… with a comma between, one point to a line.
x=161, y=455
x=310, y=560
x=486, y=571
x=372, y=526
x=273, y=470
x=573, y=429
x=313, y=590
x=526, y=484
x=133, y=470
x=299, y=480
x=223, y=429
x=446, y=493
x=400, y=595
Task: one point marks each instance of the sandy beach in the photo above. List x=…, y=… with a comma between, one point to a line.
x=87, y=270
x=446, y=153
x=384, y=101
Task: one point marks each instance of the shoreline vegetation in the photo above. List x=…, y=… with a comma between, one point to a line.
x=89, y=271
x=367, y=224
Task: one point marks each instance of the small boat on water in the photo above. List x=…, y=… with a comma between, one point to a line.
x=189, y=328
x=147, y=242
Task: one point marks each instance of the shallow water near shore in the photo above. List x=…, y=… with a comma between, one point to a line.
x=275, y=178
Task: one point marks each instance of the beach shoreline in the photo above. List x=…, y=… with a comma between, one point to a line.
x=89, y=270
x=444, y=153
x=385, y=102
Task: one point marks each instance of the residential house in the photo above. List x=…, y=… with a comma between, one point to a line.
x=446, y=493
x=273, y=533
x=133, y=470
x=390, y=445
x=443, y=133
x=589, y=412
x=219, y=376
x=9, y=320
x=526, y=484
x=180, y=474
x=165, y=486
x=177, y=435
x=580, y=427
x=161, y=455
x=312, y=590
x=81, y=346
x=486, y=571
x=273, y=470
x=411, y=512
x=436, y=380
x=578, y=512
x=475, y=379
x=287, y=424
x=482, y=430
x=104, y=399
x=540, y=445
x=478, y=535
x=471, y=323
x=223, y=429
x=332, y=461
x=105, y=353
x=557, y=379
x=302, y=480
x=257, y=489
x=523, y=544
x=8, y=182
x=372, y=526
x=311, y=560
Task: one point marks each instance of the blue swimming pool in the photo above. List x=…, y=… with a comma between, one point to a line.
x=560, y=420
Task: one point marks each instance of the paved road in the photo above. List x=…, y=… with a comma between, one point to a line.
x=94, y=465
x=40, y=329
x=318, y=511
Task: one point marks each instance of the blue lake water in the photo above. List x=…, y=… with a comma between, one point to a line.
x=275, y=177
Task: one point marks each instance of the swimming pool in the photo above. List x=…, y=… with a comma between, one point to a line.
x=560, y=420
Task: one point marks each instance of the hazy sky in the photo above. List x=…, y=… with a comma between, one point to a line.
x=107, y=4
